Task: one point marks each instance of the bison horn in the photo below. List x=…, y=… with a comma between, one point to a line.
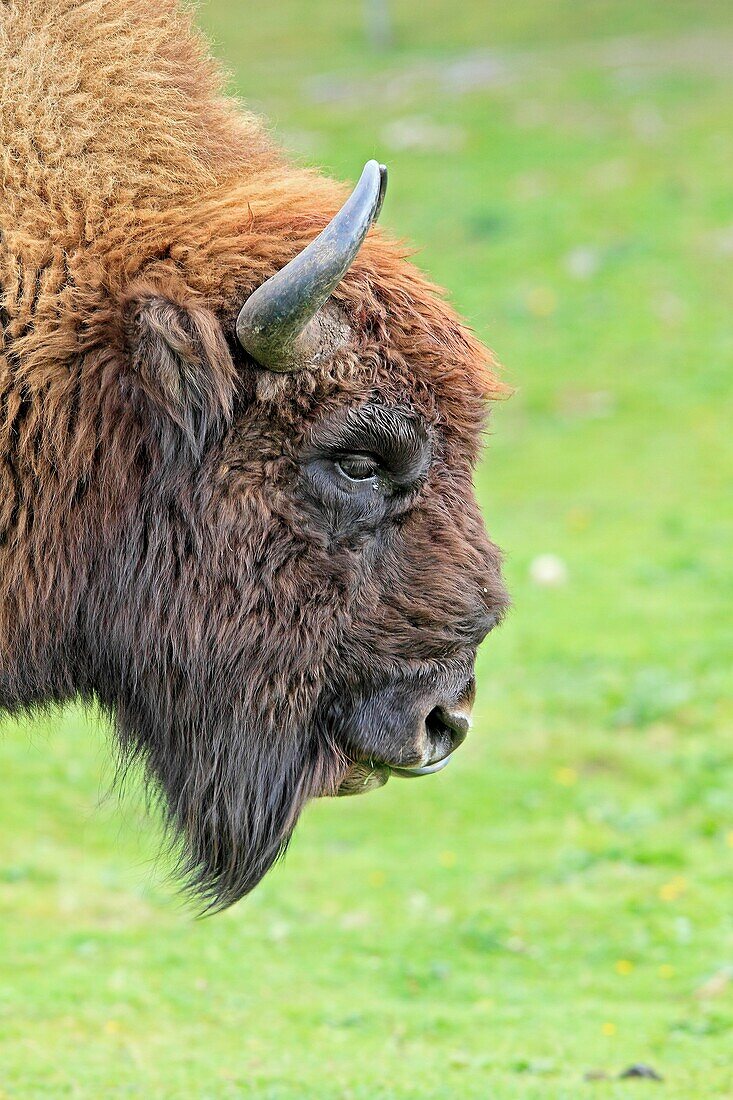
x=281, y=324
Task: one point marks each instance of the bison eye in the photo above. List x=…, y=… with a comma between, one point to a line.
x=358, y=467
x=361, y=463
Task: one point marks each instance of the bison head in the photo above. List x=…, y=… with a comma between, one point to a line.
x=256, y=541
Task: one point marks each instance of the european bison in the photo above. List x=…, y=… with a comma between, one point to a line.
x=237, y=433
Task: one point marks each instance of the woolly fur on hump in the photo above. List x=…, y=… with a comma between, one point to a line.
x=111, y=100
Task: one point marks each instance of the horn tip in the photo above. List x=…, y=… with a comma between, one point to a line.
x=382, y=176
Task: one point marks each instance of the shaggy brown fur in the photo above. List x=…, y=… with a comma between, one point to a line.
x=158, y=549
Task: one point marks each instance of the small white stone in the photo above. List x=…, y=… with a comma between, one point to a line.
x=582, y=262
x=548, y=570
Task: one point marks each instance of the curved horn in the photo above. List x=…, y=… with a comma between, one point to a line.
x=280, y=325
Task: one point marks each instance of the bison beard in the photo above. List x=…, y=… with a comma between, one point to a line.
x=181, y=538
x=231, y=793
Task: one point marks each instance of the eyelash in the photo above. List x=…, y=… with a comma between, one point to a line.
x=368, y=462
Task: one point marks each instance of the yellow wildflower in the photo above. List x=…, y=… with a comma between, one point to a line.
x=670, y=891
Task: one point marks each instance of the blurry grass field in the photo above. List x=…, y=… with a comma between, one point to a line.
x=559, y=902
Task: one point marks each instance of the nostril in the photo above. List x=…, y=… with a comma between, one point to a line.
x=457, y=721
x=447, y=729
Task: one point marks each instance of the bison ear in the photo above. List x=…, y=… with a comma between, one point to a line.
x=181, y=363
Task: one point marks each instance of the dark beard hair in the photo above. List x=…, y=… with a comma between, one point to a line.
x=231, y=798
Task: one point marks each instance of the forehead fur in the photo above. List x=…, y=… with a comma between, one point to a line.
x=123, y=159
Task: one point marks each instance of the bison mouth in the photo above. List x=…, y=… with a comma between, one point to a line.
x=447, y=729
x=363, y=776
x=428, y=769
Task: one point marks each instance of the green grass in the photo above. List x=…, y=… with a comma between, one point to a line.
x=560, y=900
